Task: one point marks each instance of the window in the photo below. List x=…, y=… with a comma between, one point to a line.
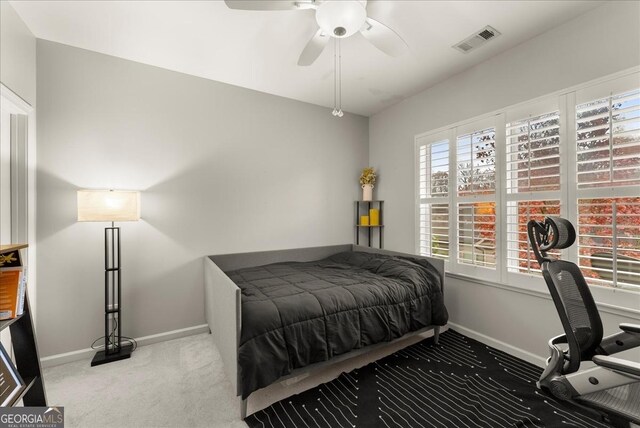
x=434, y=236
x=533, y=154
x=457, y=181
x=608, y=141
x=575, y=155
x=476, y=188
x=477, y=234
x=476, y=163
x=520, y=257
x=532, y=184
x=608, y=236
x=434, y=199
x=608, y=180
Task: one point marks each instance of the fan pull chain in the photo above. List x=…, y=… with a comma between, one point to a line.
x=340, y=113
x=335, y=78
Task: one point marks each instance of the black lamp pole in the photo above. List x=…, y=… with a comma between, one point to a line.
x=113, y=349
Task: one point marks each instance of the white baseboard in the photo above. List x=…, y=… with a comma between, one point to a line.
x=502, y=346
x=82, y=354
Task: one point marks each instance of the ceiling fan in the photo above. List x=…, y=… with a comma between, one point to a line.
x=336, y=19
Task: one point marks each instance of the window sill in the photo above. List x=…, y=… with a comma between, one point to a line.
x=614, y=301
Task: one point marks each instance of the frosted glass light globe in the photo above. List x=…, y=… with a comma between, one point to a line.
x=341, y=18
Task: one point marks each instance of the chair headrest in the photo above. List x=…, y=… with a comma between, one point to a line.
x=552, y=233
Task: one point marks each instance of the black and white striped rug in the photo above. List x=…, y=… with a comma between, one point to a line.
x=458, y=383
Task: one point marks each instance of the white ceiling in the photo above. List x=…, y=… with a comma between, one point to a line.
x=259, y=50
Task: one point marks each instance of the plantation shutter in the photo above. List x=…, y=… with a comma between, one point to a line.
x=533, y=179
x=608, y=152
x=476, y=196
x=476, y=159
x=520, y=256
x=575, y=155
x=608, y=188
x=433, y=158
x=533, y=154
x=609, y=230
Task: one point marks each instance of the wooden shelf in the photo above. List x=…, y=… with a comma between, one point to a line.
x=369, y=225
x=11, y=247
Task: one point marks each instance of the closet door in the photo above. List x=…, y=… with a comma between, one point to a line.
x=13, y=184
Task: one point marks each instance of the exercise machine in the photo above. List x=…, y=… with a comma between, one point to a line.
x=612, y=386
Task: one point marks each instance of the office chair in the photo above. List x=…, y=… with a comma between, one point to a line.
x=612, y=386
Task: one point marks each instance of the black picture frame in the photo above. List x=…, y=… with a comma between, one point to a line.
x=11, y=383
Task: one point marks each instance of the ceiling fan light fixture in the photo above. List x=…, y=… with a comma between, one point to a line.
x=341, y=18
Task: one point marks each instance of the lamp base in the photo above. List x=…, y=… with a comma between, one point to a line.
x=101, y=358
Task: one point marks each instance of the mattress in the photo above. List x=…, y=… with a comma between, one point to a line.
x=299, y=313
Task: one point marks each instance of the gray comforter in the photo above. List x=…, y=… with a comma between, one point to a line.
x=295, y=314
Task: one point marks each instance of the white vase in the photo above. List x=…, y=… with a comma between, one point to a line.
x=367, y=192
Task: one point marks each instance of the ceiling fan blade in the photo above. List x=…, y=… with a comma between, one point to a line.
x=269, y=4
x=384, y=38
x=314, y=48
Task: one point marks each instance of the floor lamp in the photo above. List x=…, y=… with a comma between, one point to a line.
x=110, y=206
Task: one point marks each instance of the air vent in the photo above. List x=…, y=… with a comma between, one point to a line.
x=486, y=34
x=477, y=39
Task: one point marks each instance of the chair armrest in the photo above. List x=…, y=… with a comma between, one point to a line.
x=558, y=339
x=628, y=338
x=618, y=365
x=630, y=328
x=597, y=378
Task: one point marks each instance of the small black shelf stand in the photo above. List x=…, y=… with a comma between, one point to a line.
x=360, y=207
x=25, y=349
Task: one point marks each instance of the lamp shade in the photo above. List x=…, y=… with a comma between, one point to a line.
x=108, y=205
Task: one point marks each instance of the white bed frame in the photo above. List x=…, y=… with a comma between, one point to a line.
x=222, y=305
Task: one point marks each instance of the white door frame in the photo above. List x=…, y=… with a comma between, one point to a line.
x=23, y=179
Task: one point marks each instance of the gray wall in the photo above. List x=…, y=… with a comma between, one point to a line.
x=17, y=54
x=600, y=42
x=221, y=169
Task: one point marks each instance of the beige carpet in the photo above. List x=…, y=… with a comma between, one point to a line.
x=179, y=383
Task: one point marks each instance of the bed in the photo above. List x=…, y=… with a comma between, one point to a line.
x=276, y=314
